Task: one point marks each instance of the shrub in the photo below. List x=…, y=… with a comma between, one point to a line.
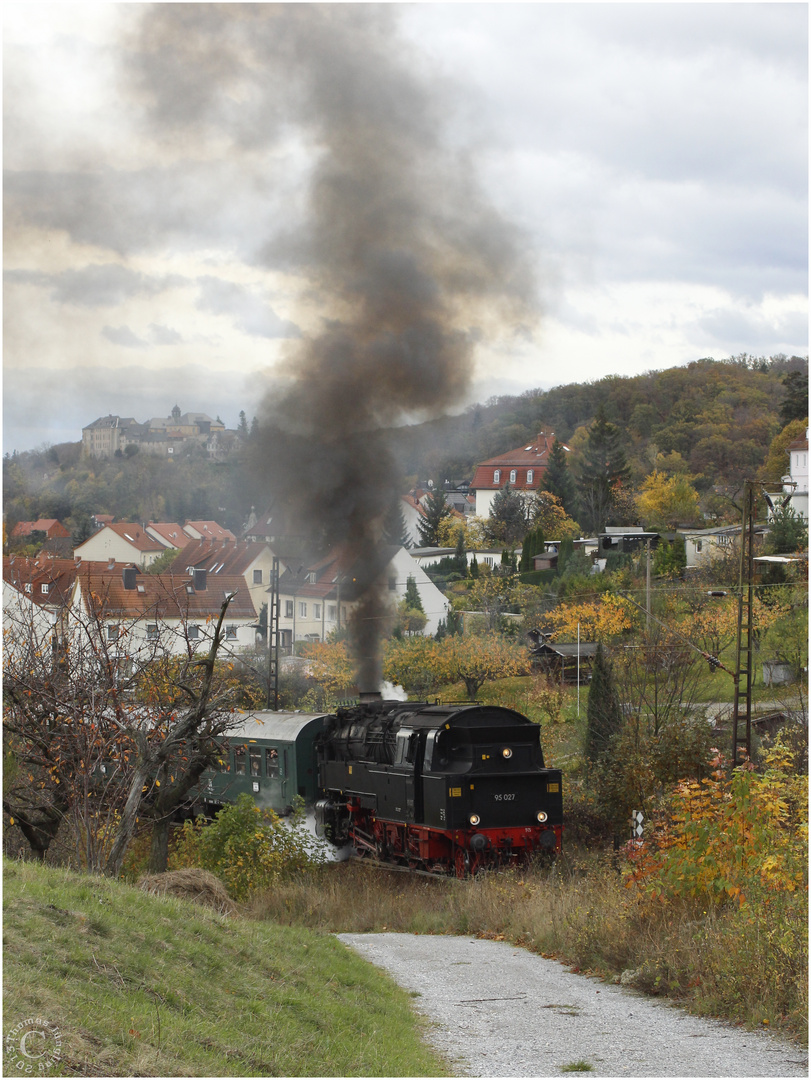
x=247, y=848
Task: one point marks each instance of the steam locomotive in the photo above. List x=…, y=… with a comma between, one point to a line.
x=448, y=789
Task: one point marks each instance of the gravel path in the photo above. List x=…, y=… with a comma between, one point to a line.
x=500, y=1011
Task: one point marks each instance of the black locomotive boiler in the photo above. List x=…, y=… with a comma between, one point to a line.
x=440, y=788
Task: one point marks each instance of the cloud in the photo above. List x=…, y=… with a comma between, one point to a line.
x=122, y=335
x=164, y=335
x=99, y=285
x=250, y=313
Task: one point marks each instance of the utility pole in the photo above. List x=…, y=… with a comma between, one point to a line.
x=647, y=590
x=273, y=638
x=742, y=701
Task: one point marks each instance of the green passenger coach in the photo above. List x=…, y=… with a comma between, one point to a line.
x=270, y=756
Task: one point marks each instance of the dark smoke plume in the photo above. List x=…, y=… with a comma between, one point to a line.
x=403, y=257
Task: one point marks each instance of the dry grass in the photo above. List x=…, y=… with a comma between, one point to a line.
x=719, y=963
x=198, y=886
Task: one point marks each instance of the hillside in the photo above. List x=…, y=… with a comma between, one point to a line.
x=142, y=986
x=712, y=419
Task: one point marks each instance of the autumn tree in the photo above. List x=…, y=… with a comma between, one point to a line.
x=101, y=737
x=667, y=501
x=480, y=658
x=776, y=465
x=547, y=513
x=795, y=403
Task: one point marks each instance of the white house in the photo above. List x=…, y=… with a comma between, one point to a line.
x=319, y=599
x=122, y=542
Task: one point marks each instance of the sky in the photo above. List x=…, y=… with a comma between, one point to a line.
x=635, y=177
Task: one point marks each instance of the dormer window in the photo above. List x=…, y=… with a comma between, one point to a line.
x=512, y=476
x=496, y=476
x=45, y=589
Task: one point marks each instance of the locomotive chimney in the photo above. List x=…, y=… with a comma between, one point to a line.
x=369, y=697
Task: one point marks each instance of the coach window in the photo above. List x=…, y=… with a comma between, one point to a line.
x=239, y=760
x=272, y=761
x=255, y=759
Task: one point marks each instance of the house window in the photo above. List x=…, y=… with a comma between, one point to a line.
x=302, y=610
x=530, y=474
x=288, y=609
x=496, y=475
x=45, y=589
x=112, y=633
x=239, y=760
x=231, y=632
x=151, y=631
x=512, y=476
x=316, y=611
x=332, y=612
x=392, y=584
x=257, y=577
x=193, y=632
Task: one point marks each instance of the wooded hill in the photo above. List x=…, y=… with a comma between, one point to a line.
x=714, y=420
x=719, y=416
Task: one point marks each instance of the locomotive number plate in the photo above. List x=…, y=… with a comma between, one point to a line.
x=504, y=798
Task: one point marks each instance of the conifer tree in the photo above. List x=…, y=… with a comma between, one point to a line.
x=558, y=480
x=436, y=510
x=603, y=714
x=602, y=470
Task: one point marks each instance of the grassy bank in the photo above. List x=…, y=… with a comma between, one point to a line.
x=147, y=986
x=750, y=969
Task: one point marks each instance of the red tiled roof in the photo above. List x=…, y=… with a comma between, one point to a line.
x=162, y=595
x=134, y=535
x=210, y=530
x=218, y=556
x=171, y=532
x=50, y=526
x=533, y=456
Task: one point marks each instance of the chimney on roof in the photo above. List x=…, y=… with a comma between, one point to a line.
x=199, y=575
x=111, y=564
x=129, y=575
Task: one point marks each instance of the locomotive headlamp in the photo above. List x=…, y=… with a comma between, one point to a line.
x=506, y=752
x=541, y=815
x=474, y=819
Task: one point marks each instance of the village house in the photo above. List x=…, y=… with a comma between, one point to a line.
x=522, y=469
x=794, y=492
x=163, y=610
x=252, y=562
x=168, y=533
x=49, y=533
x=122, y=541
x=318, y=598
